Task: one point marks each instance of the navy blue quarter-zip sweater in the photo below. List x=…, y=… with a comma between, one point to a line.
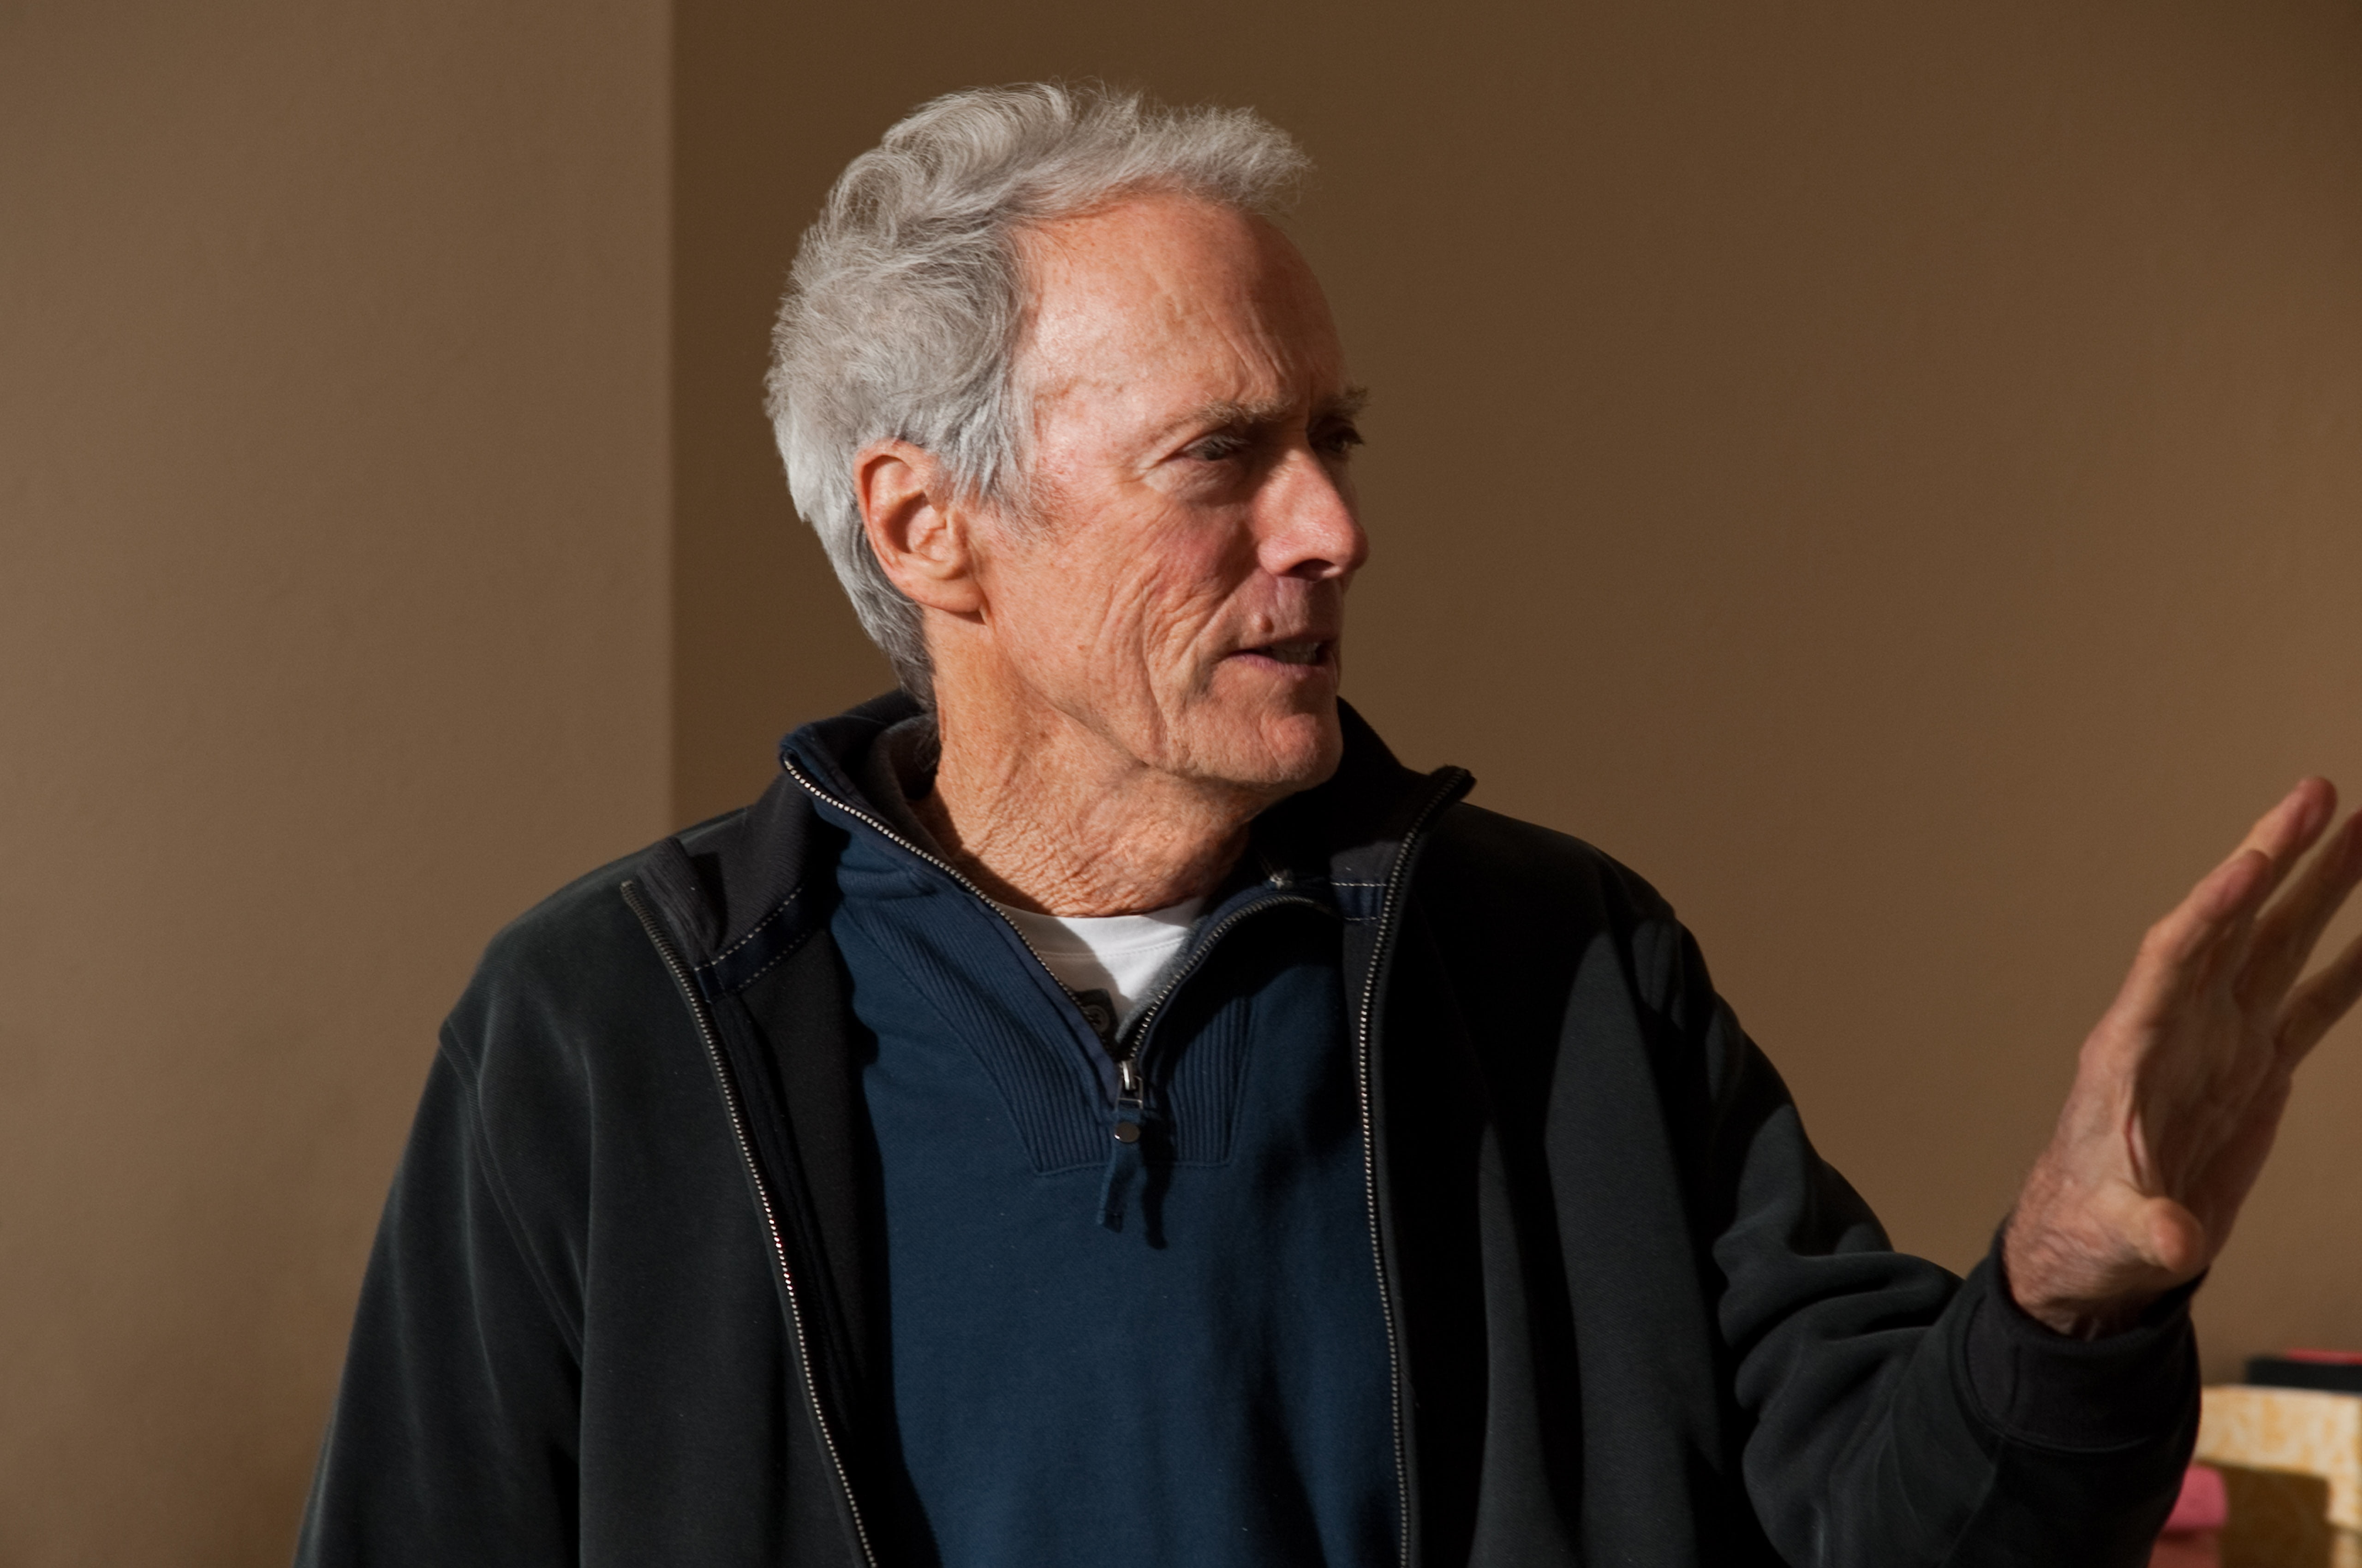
x=1166, y=1349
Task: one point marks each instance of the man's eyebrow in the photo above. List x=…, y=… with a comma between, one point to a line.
x=1230, y=415
x=1346, y=404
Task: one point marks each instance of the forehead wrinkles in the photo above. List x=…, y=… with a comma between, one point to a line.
x=1165, y=299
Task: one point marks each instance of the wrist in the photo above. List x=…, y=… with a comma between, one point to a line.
x=2051, y=1279
x=2043, y=1387
x=2084, y=1320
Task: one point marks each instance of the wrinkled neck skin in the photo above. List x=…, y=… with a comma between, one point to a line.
x=1044, y=814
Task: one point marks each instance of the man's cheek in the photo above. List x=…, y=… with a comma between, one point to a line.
x=1140, y=616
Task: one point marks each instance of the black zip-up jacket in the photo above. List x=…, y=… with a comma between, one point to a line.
x=623, y=1310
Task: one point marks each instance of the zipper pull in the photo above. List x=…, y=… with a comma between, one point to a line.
x=1128, y=1104
x=1123, y=1168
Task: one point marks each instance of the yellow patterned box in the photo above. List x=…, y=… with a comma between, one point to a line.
x=2292, y=1462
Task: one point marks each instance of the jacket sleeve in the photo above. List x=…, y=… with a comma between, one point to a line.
x=452, y=1441
x=1893, y=1415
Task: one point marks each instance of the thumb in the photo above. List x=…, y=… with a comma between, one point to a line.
x=2164, y=1234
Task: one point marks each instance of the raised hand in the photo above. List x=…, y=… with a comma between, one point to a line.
x=2179, y=1088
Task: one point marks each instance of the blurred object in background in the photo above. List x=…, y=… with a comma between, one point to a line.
x=2328, y=1371
x=2292, y=1467
x=2193, y=1532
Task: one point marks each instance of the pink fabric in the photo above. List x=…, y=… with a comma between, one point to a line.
x=2202, y=1506
x=2203, y=1550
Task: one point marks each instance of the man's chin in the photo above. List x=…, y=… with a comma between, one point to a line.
x=1278, y=754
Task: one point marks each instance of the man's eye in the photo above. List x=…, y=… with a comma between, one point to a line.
x=1337, y=440
x=1216, y=448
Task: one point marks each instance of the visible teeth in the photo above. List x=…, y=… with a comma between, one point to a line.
x=1294, y=653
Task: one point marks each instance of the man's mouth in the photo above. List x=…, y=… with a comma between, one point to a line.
x=1304, y=651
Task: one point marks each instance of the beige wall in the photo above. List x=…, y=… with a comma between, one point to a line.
x=1894, y=475
x=332, y=633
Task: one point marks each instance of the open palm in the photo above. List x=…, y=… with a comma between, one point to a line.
x=2180, y=1084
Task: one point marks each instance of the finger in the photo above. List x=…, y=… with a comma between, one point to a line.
x=2280, y=838
x=2287, y=930
x=2177, y=950
x=2288, y=830
x=2320, y=1003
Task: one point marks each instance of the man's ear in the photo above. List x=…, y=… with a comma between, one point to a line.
x=917, y=525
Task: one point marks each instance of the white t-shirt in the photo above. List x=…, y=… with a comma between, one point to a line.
x=1121, y=955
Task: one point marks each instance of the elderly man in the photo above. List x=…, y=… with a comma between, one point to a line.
x=1097, y=1107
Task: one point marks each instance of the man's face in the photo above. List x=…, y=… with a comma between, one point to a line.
x=1177, y=586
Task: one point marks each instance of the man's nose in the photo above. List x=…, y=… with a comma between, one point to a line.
x=1305, y=523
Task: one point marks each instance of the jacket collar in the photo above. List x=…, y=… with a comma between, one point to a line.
x=742, y=891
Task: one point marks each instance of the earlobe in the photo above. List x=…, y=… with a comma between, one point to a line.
x=917, y=526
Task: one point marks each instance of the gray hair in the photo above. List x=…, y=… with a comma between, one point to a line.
x=909, y=300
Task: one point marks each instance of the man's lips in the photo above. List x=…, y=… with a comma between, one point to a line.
x=1300, y=652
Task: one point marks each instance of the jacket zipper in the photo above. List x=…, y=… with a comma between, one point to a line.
x=1441, y=792
x=735, y=1102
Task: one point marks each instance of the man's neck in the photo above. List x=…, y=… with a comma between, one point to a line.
x=1061, y=823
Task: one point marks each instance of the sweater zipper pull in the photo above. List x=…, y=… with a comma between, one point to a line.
x=1123, y=1160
